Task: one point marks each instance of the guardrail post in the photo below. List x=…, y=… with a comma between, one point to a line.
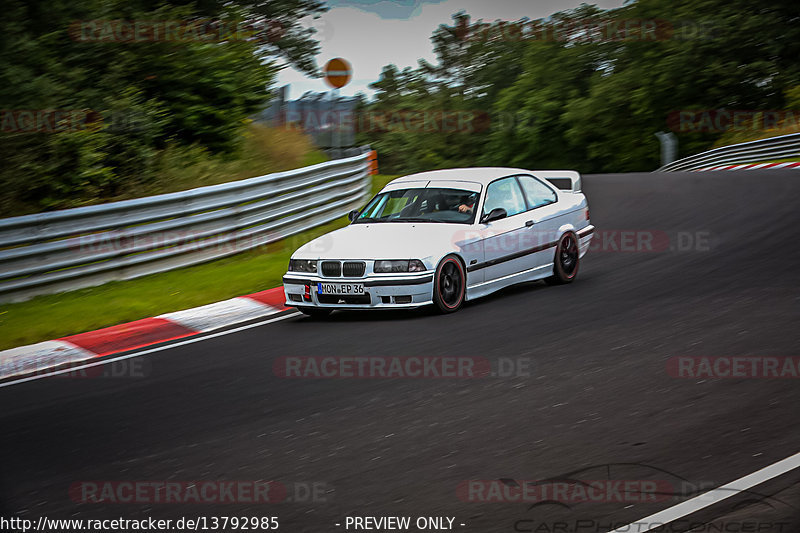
x=669, y=147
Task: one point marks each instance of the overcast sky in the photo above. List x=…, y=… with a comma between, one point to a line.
x=374, y=33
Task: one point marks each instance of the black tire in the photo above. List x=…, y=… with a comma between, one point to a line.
x=449, y=285
x=315, y=312
x=566, y=261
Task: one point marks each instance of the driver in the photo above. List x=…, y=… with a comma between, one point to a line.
x=467, y=204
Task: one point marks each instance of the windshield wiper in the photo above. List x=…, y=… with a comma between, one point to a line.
x=413, y=219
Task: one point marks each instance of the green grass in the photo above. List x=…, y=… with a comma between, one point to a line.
x=746, y=134
x=264, y=150
x=57, y=315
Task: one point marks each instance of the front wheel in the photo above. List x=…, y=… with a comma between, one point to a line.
x=566, y=262
x=314, y=312
x=450, y=283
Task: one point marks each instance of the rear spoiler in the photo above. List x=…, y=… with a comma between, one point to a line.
x=566, y=180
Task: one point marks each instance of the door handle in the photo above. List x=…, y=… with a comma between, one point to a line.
x=529, y=223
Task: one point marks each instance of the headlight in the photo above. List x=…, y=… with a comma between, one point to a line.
x=302, y=265
x=415, y=265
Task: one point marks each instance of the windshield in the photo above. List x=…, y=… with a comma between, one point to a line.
x=421, y=205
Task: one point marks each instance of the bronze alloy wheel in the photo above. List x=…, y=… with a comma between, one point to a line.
x=450, y=285
x=566, y=261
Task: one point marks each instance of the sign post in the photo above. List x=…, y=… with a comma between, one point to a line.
x=337, y=74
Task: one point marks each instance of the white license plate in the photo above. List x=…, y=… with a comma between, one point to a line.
x=340, y=288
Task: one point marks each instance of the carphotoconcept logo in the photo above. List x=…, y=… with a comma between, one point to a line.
x=681, y=525
x=617, y=483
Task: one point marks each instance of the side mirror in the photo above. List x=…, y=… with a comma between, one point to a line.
x=494, y=214
x=352, y=215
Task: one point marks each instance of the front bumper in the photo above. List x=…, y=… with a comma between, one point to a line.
x=380, y=291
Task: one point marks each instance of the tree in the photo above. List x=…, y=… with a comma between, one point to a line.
x=135, y=96
x=588, y=88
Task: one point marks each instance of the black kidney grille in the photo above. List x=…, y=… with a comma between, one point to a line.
x=354, y=269
x=331, y=269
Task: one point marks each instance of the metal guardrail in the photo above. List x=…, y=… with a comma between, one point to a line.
x=781, y=147
x=88, y=246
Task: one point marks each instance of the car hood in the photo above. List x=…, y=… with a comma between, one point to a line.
x=386, y=240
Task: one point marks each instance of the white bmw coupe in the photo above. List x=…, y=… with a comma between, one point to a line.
x=444, y=237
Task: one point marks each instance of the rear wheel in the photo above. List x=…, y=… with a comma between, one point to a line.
x=566, y=262
x=315, y=312
x=450, y=283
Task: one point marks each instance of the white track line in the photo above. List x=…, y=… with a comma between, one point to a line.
x=190, y=340
x=713, y=496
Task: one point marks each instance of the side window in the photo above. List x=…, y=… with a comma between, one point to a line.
x=504, y=193
x=537, y=193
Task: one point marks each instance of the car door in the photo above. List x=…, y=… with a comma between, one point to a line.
x=467, y=238
x=505, y=240
x=542, y=212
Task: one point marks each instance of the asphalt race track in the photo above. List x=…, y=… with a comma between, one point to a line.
x=722, y=278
